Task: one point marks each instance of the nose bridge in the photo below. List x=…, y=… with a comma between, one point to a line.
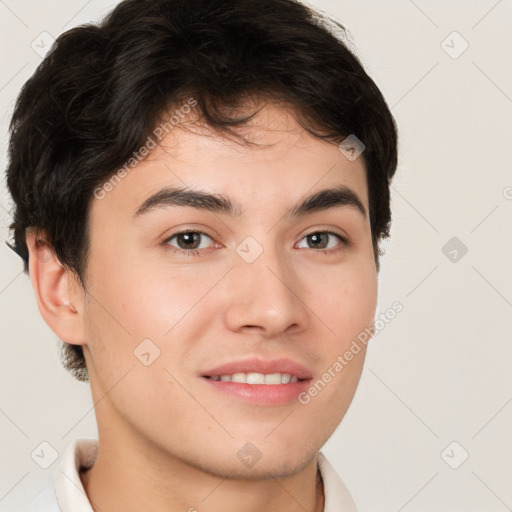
x=264, y=289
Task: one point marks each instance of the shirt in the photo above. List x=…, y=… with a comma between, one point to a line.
x=65, y=492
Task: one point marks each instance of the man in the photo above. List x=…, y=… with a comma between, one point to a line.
x=200, y=189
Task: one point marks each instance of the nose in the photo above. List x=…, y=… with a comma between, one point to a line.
x=264, y=297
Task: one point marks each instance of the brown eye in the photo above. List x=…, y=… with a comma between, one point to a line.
x=188, y=241
x=324, y=240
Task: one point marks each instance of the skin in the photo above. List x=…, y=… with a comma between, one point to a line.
x=164, y=434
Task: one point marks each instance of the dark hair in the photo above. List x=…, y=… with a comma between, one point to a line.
x=102, y=89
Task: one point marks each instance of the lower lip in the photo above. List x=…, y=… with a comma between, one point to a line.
x=260, y=394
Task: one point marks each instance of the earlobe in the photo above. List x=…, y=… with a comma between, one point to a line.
x=59, y=304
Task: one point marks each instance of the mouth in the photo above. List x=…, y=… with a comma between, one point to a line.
x=258, y=381
x=252, y=378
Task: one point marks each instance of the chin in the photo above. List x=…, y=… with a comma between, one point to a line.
x=265, y=464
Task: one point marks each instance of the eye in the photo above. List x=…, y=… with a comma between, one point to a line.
x=323, y=240
x=188, y=242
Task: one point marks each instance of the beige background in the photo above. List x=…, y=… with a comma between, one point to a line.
x=441, y=370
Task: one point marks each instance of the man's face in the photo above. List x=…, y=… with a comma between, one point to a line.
x=249, y=289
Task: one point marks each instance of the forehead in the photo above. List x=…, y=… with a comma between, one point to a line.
x=287, y=164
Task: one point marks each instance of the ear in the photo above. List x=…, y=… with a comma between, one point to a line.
x=58, y=292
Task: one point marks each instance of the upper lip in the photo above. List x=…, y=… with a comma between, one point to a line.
x=257, y=365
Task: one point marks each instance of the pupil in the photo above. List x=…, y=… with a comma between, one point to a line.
x=189, y=239
x=315, y=237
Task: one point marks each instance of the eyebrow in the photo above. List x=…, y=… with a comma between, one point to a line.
x=218, y=203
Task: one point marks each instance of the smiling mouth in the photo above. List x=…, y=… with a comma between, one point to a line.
x=257, y=378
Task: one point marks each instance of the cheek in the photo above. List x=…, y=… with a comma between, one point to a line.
x=348, y=309
x=349, y=302
x=135, y=303
x=134, y=295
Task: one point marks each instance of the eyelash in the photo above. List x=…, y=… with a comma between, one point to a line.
x=196, y=252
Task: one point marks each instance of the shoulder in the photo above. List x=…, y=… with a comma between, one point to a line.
x=63, y=491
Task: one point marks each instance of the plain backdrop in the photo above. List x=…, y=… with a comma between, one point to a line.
x=429, y=427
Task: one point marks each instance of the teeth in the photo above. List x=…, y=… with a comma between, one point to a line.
x=258, y=378
x=285, y=379
x=255, y=378
x=273, y=378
